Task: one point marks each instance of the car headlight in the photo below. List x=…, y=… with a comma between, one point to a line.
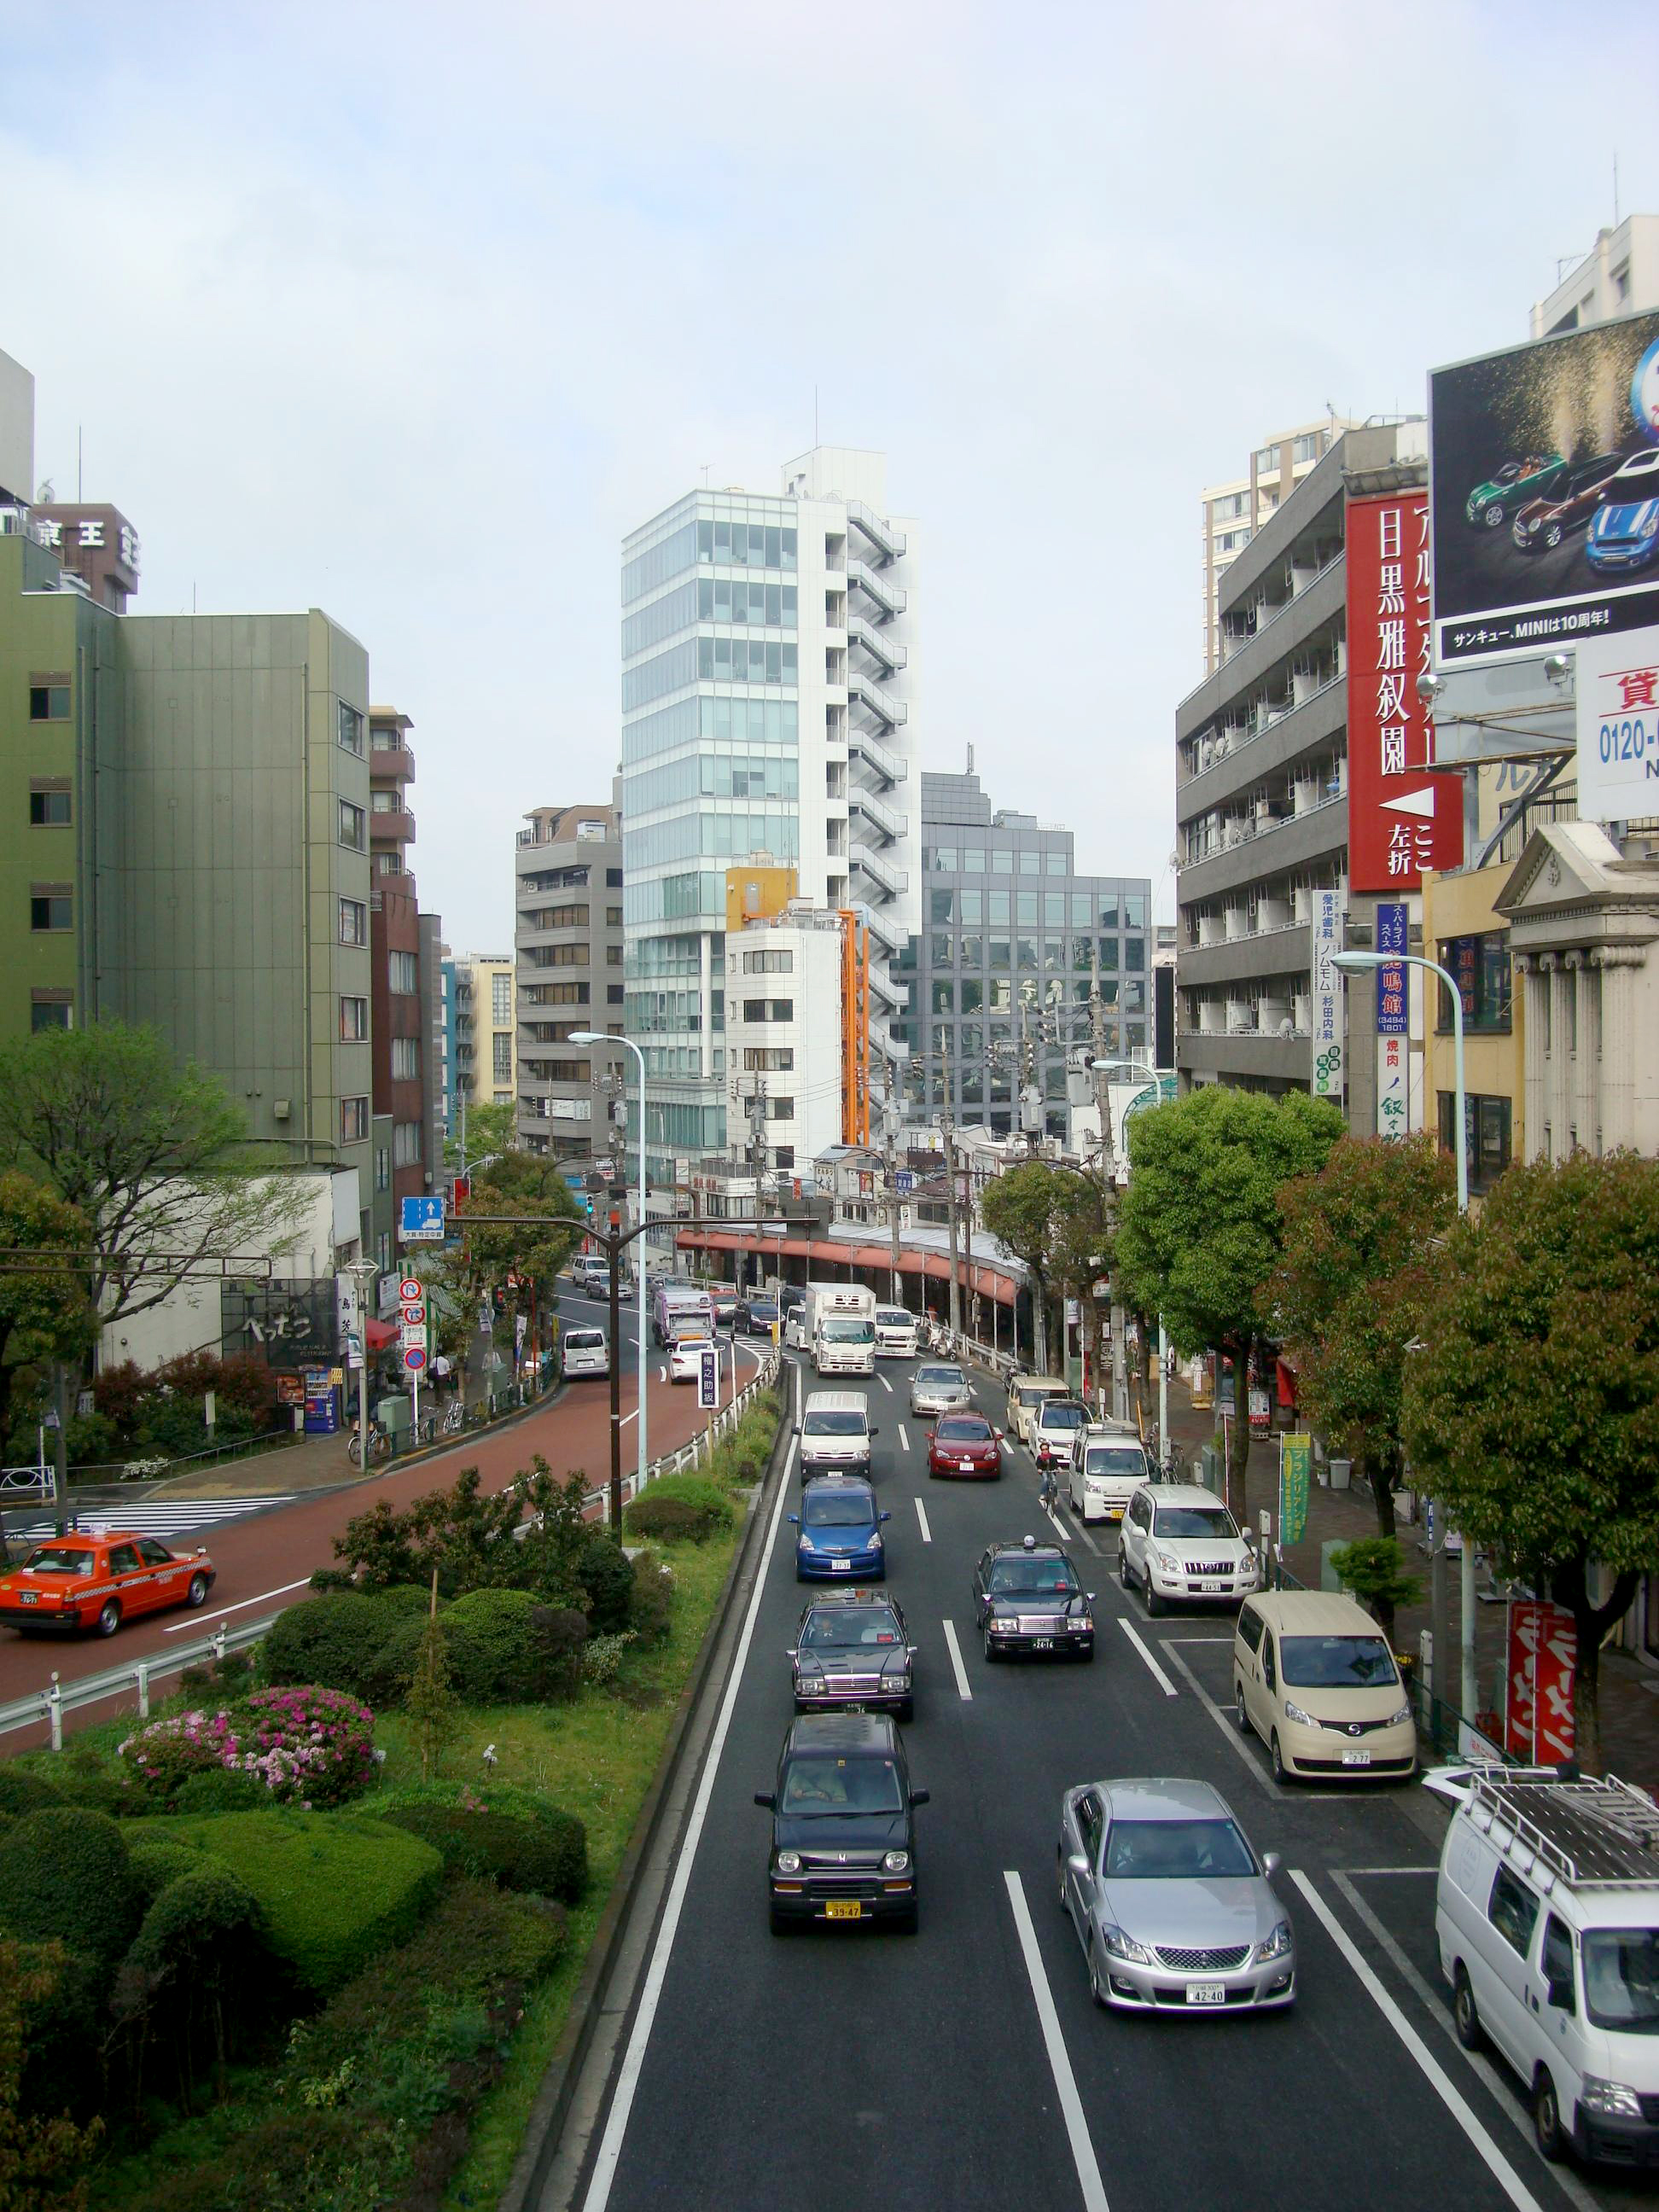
x=1650, y=527
x=1399, y=1719
x=875, y=1539
x=1277, y=1945
x=895, y=1863
x=1123, y=1946
x=1081, y=1624
x=896, y=1681
x=1295, y=1713
x=1165, y=1561
x=789, y=1861
x=810, y=1678
x=1610, y=2098
x=805, y=1542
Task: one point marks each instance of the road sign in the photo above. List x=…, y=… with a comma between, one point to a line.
x=904, y=1182
x=708, y=1379
x=421, y=1220
x=413, y=1312
x=414, y=1333
x=414, y=1358
x=410, y=1288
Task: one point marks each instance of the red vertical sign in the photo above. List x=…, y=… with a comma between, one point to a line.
x=1401, y=818
x=1543, y=1657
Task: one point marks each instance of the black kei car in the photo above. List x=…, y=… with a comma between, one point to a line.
x=1027, y=1598
x=851, y=1653
x=844, y=1826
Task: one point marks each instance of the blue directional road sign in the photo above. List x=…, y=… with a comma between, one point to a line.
x=422, y=1221
x=904, y=1182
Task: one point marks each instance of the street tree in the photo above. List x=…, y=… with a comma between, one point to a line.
x=1358, y=1240
x=45, y=1317
x=1199, y=1226
x=522, y=1258
x=491, y=1128
x=1531, y=1409
x=1021, y=1209
x=156, y=1158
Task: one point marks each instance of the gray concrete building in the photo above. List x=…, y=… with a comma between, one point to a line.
x=1262, y=783
x=567, y=948
x=1001, y=975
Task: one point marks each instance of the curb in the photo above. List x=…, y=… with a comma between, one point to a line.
x=545, y=2125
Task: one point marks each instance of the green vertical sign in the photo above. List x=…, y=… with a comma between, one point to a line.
x=1295, y=1474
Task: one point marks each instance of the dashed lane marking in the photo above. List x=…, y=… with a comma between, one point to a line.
x=1059, y=2064
x=921, y=1516
x=1153, y=1669
x=960, y=1671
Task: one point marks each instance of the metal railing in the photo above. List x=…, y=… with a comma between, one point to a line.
x=876, y=642
x=891, y=712
x=892, y=598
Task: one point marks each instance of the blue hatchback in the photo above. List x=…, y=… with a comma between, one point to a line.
x=840, y=1531
x=1624, y=532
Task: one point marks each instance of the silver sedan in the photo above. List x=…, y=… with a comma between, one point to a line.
x=936, y=1388
x=1174, y=1910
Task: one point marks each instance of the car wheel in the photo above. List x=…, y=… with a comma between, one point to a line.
x=196, y=1594
x=1096, y=1987
x=1493, y=517
x=1060, y=1879
x=1275, y=1760
x=1123, y=1569
x=109, y=1616
x=908, y=1923
x=782, y=1923
x=991, y=1652
x=1546, y=2118
x=1465, y=2015
x=1241, y=1715
x=1552, y=536
x=1156, y=1605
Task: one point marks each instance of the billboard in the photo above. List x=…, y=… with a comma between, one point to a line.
x=1401, y=819
x=1544, y=472
x=1618, y=713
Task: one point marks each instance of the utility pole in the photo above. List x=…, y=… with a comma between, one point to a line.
x=757, y=1151
x=1103, y=1076
x=950, y=1211
x=892, y=1166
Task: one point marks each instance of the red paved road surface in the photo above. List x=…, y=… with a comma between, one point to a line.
x=264, y=1562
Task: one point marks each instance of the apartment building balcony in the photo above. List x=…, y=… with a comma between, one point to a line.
x=1244, y=851
x=1305, y=722
x=391, y=825
x=876, y=530
x=1285, y=950
x=890, y=882
x=882, y=819
x=1321, y=606
x=391, y=764
x=890, y=655
x=887, y=598
x=1273, y=1061
x=892, y=714
x=861, y=745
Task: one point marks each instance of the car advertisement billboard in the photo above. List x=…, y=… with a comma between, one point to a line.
x=1544, y=472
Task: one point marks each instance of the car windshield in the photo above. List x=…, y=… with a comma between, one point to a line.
x=60, y=1559
x=1336, y=1662
x=849, y=1424
x=849, y=1332
x=1114, y=1459
x=839, y=1627
x=893, y=1317
x=1210, y=1524
x=839, y=1508
x=763, y=1309
x=1033, y=1578
x=815, y=1782
x=693, y=1344
x=1621, y=1978
x=1059, y=1414
x=1177, y=1850
x=963, y=1429
x=584, y=1339
x=942, y=1378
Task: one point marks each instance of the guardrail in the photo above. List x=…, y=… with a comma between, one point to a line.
x=49, y=1705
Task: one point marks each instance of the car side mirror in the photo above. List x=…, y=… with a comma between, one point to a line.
x=792, y=1653
x=1560, y=1993
x=794, y=1432
x=1271, y=1862
x=909, y=1651
x=920, y=1796
x=873, y=1434
x=886, y=1517
x=795, y=1518
x=1090, y=1595
x=1078, y=1864
x=766, y=1797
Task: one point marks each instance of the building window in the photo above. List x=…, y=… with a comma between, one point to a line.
x=562, y=994
x=351, y=730
x=354, y=922
x=1486, y=1132
x=613, y=994
x=769, y=1060
x=768, y=1010
x=1481, y=965
x=402, y=973
x=501, y=999
x=408, y=1144
x=405, y=1059
x=613, y=956
x=353, y=1121
x=1307, y=448
x=382, y=1169
x=613, y=880
x=50, y=906
x=573, y=916
x=354, y=1020
x=49, y=806
x=613, y=917
x=501, y=1055
x=353, y=833
x=50, y=1010
x=1134, y=952
x=49, y=702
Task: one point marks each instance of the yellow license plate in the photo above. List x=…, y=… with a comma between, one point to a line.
x=843, y=1908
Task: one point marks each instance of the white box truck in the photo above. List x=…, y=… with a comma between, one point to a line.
x=840, y=1326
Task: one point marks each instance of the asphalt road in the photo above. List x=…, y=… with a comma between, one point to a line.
x=966, y=2065
x=265, y=1558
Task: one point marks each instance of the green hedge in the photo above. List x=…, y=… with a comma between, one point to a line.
x=157, y=1861
x=606, y=1575
x=696, y=1508
x=68, y=1879
x=561, y=1830
x=21, y=1793
x=333, y=1639
x=334, y=1888
x=539, y=1858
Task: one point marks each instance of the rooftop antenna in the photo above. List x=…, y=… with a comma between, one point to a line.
x=706, y=467
x=970, y=757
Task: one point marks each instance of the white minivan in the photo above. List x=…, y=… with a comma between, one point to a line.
x=1108, y=1466
x=586, y=1352
x=1546, y=1914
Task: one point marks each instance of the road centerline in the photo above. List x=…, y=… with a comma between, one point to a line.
x=1059, y=2064
x=963, y=1691
x=178, y=1627
x=921, y=1516
x=904, y=1437
x=1152, y=1667
x=884, y=1383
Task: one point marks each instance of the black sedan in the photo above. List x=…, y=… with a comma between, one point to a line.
x=851, y=1653
x=1027, y=1598
x=843, y=1827
x=757, y=1316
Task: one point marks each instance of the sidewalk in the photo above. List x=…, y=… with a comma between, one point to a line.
x=1630, y=1690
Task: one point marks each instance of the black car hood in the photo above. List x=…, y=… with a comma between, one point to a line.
x=1006, y=1608
x=855, y=1660
x=851, y=1832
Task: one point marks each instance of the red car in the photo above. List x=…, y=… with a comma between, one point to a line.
x=965, y=1444
x=98, y=1582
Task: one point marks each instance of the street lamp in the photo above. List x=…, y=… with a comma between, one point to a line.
x=1144, y=1066
x=1356, y=964
x=590, y=1038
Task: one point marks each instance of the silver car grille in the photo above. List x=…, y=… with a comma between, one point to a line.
x=1041, y=1623
x=853, y=1685
x=1204, y=1962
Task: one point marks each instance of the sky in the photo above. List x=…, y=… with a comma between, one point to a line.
x=410, y=314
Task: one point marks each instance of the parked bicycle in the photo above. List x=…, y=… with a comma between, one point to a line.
x=379, y=1444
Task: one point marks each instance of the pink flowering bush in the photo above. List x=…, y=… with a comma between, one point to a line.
x=308, y=1746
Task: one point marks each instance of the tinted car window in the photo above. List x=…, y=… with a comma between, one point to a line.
x=1513, y=1910
x=1336, y=1662
x=61, y=1559
x=1213, y=1524
x=963, y=1429
x=818, y=1783
x=1058, y=1415
x=836, y=1627
x=834, y=1425
x=1032, y=1577
x=583, y=1340
x=1114, y=1459
x=1250, y=1626
x=1555, y=1957
x=1177, y=1850
x=154, y=1554
x=1621, y=1977
x=953, y=1375
x=837, y=1509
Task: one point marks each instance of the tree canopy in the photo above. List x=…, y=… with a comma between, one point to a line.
x=44, y=1313
x=1532, y=1407
x=491, y=1127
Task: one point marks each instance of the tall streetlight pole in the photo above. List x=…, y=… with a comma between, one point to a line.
x=590, y=1038
x=1357, y=963
x=1100, y=1070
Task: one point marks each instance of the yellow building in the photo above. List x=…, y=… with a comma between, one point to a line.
x=1468, y=938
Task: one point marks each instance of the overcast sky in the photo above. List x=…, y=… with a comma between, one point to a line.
x=355, y=310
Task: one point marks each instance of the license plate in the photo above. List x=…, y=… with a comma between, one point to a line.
x=966, y=1465
x=1113, y=1512
x=1042, y=1644
x=1356, y=1759
x=1206, y=1589
x=1207, y=1993
x=843, y=1908
x=29, y=1597
x=841, y=1566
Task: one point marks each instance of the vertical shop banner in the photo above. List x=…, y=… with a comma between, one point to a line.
x=1393, y=1026
x=1400, y=818
x=1295, y=1475
x=1543, y=1659
x=1326, y=991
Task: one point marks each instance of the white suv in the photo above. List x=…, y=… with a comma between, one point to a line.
x=1179, y=1541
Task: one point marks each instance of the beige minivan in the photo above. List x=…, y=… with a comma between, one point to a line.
x=1025, y=1394
x=1313, y=1676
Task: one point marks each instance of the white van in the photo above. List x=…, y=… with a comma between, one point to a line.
x=1546, y=1913
x=895, y=1333
x=1108, y=1466
x=834, y=1432
x=586, y=1352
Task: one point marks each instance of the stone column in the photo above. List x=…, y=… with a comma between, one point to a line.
x=1531, y=984
x=1584, y=1073
x=1616, y=1101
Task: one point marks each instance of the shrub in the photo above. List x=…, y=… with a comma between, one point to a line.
x=606, y=1575
x=67, y=1881
x=163, y=1753
x=665, y=1520
x=309, y=1742
x=500, y=1847
x=401, y=1601
x=233, y=1676
x=602, y=1657
x=198, y=1949
x=652, y=1614
x=391, y=1670
x=334, y=1888
x=22, y=1793
x=157, y=1860
x=561, y=1834
x=559, y=1636
x=333, y=1639
x=486, y=1635
x=221, y=1789
x=683, y=1507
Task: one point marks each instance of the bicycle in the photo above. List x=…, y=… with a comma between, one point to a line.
x=379, y=1444
x=454, y=1419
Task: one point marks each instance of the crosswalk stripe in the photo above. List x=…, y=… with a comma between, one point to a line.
x=158, y=1519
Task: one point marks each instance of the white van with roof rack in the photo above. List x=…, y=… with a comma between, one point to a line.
x=1546, y=1913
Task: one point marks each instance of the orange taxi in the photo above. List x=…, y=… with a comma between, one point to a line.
x=97, y=1582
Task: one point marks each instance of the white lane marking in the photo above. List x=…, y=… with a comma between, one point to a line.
x=240, y=1606
x=1501, y=2090
x=1070, y=2105
x=1501, y=2172
x=961, y=1672
x=1243, y=1746
x=884, y=1383
x=626, y=1418
x=1158, y=1672
x=904, y=1437
x=1074, y=1521
x=662, y=1375
x=921, y=1516
x=628, y=2080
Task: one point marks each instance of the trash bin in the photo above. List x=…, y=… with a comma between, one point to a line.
x=1341, y=1473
